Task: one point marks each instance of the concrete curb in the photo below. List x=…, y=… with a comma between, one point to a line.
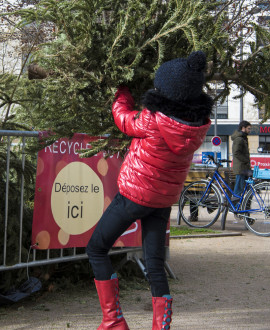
x=223, y=234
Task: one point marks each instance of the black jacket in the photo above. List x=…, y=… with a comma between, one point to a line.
x=241, y=159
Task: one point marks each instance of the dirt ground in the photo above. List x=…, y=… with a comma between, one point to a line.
x=222, y=283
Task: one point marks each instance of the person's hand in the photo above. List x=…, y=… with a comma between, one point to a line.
x=122, y=87
x=247, y=173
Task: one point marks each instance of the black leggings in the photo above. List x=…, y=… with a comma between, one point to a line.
x=117, y=218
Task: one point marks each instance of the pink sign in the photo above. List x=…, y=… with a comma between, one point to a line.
x=263, y=161
x=72, y=193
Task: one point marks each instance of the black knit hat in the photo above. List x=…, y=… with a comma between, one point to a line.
x=181, y=79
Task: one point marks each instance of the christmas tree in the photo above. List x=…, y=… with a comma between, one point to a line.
x=94, y=46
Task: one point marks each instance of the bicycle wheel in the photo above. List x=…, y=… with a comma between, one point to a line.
x=200, y=208
x=257, y=217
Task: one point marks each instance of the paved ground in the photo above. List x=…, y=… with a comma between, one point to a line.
x=223, y=283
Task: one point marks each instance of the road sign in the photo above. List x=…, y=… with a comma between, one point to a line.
x=216, y=141
x=205, y=158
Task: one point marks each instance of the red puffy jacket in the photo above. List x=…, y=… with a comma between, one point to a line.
x=154, y=171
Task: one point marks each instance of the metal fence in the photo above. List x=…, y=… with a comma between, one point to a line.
x=42, y=257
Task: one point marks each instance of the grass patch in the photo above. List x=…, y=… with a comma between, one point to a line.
x=176, y=231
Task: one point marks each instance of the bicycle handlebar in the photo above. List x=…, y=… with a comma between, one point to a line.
x=210, y=157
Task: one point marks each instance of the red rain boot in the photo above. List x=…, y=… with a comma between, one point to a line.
x=162, y=312
x=108, y=293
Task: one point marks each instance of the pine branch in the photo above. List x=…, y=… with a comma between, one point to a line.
x=98, y=45
x=119, y=36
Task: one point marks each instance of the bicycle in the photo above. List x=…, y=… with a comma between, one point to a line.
x=201, y=202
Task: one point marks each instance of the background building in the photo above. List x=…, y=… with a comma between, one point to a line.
x=234, y=109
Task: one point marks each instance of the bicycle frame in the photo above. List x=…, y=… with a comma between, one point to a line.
x=217, y=178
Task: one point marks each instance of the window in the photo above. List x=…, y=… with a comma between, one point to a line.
x=264, y=143
x=264, y=5
x=262, y=112
x=221, y=108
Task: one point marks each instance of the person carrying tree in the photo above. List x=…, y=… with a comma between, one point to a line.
x=166, y=133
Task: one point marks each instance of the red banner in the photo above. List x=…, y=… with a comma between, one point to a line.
x=72, y=193
x=261, y=160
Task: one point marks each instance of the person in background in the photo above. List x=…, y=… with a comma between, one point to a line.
x=241, y=157
x=166, y=133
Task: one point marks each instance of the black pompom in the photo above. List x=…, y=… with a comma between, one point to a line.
x=197, y=61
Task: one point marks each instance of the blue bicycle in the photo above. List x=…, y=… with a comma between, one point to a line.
x=202, y=202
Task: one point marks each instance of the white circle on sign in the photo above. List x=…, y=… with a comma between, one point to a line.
x=253, y=163
x=77, y=198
